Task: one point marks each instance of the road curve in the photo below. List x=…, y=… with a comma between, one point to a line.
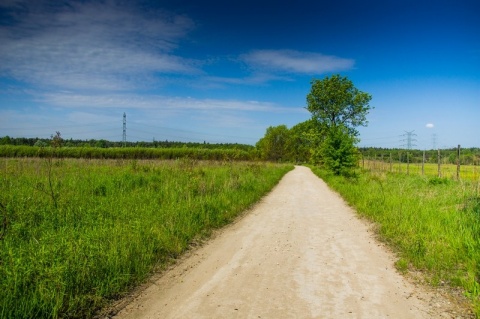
x=300, y=253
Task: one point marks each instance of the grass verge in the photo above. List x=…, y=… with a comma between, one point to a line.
x=75, y=234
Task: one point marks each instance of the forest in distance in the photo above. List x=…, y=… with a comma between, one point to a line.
x=284, y=150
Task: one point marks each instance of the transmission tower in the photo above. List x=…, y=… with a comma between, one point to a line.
x=409, y=139
x=124, y=140
x=434, y=141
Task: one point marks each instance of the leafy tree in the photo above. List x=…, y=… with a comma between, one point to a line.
x=335, y=101
x=273, y=146
x=337, y=108
x=5, y=140
x=302, y=140
x=338, y=151
x=57, y=140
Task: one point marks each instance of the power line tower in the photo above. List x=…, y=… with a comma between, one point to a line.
x=409, y=145
x=124, y=140
x=409, y=139
x=434, y=141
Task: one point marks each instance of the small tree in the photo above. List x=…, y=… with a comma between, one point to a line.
x=57, y=140
x=337, y=108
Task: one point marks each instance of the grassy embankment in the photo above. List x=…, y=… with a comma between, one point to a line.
x=77, y=233
x=433, y=223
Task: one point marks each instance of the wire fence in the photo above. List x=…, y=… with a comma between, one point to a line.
x=434, y=163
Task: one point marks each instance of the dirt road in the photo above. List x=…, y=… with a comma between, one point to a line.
x=300, y=253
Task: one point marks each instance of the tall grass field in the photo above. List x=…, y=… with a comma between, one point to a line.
x=467, y=172
x=77, y=233
x=432, y=223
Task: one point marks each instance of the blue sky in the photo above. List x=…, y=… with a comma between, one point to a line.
x=223, y=71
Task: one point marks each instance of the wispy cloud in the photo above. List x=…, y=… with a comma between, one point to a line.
x=291, y=61
x=253, y=79
x=90, y=45
x=134, y=101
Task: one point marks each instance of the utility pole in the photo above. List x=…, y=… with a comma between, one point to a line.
x=409, y=145
x=124, y=129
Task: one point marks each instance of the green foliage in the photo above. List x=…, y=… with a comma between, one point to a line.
x=433, y=224
x=113, y=223
x=6, y=140
x=338, y=151
x=57, y=140
x=127, y=153
x=337, y=108
x=305, y=138
x=438, y=181
x=293, y=145
x=40, y=143
x=273, y=146
x=335, y=101
x=23, y=141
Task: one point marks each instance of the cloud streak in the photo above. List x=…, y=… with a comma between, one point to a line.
x=291, y=61
x=86, y=45
x=160, y=103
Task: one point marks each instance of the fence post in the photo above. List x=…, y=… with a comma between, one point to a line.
x=439, y=170
x=391, y=167
x=423, y=163
x=408, y=163
x=399, y=162
x=458, y=162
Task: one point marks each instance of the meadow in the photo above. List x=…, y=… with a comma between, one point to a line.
x=78, y=233
x=432, y=223
x=467, y=172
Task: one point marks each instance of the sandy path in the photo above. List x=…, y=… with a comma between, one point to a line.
x=300, y=253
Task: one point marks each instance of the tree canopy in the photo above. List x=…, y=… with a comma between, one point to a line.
x=337, y=108
x=335, y=101
x=273, y=146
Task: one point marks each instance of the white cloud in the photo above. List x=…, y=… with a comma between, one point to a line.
x=429, y=125
x=160, y=103
x=88, y=45
x=292, y=61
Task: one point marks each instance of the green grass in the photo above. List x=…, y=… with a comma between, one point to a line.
x=467, y=172
x=219, y=154
x=78, y=233
x=432, y=223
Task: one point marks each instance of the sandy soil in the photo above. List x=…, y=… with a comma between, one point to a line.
x=300, y=253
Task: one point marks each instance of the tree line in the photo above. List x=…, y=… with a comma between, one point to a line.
x=329, y=137
x=102, y=143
